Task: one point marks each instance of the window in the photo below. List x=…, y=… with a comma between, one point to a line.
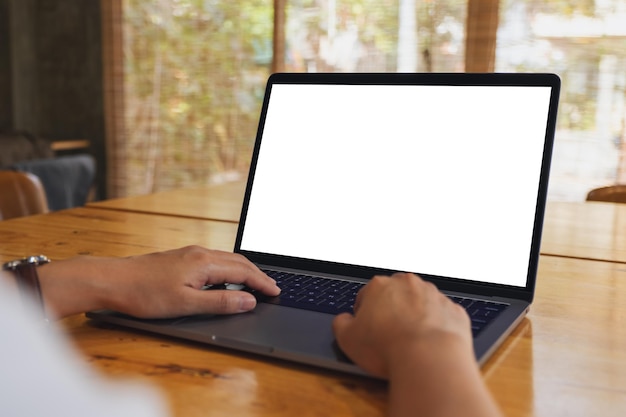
x=585, y=43
x=375, y=36
x=194, y=74
x=195, y=71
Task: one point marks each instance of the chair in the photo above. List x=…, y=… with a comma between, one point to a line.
x=67, y=180
x=610, y=194
x=21, y=194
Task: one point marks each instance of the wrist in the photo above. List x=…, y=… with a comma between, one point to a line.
x=440, y=345
x=426, y=357
x=437, y=377
x=73, y=286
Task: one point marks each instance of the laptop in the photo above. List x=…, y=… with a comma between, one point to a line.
x=356, y=175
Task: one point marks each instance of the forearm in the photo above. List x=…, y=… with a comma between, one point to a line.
x=439, y=382
x=77, y=285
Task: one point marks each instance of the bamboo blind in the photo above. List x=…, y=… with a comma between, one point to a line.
x=113, y=84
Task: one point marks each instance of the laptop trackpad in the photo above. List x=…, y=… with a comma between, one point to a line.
x=270, y=330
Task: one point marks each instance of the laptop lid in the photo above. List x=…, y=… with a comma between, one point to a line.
x=443, y=175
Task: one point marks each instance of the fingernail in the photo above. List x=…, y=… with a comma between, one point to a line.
x=247, y=303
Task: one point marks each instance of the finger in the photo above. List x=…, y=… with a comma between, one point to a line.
x=219, y=302
x=362, y=294
x=341, y=323
x=235, y=272
x=351, y=341
x=405, y=275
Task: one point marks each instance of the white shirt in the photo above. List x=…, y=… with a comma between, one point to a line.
x=41, y=374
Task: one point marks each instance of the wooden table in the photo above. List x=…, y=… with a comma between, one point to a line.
x=92, y=231
x=568, y=358
x=591, y=230
x=218, y=202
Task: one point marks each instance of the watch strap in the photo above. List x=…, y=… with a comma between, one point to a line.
x=25, y=270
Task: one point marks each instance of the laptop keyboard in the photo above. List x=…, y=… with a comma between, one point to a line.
x=325, y=295
x=336, y=296
x=481, y=312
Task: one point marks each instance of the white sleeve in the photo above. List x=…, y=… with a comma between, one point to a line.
x=42, y=374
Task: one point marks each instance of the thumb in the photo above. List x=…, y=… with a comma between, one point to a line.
x=341, y=323
x=222, y=302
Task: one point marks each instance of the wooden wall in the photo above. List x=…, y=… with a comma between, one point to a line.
x=51, y=72
x=6, y=111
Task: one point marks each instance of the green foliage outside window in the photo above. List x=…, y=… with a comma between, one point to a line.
x=192, y=92
x=195, y=72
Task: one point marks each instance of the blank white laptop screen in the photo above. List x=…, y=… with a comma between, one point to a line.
x=439, y=180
